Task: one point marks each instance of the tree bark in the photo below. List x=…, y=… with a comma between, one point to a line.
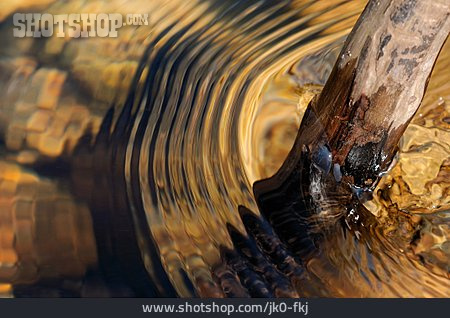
x=379, y=82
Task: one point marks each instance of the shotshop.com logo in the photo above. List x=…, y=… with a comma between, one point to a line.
x=74, y=25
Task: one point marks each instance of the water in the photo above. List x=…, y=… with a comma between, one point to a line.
x=207, y=100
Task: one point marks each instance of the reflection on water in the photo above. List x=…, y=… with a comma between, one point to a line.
x=206, y=100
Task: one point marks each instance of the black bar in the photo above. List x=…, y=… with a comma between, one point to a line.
x=134, y=307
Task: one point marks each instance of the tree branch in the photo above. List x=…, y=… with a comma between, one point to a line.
x=349, y=134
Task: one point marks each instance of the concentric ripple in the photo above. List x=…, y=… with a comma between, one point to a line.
x=206, y=83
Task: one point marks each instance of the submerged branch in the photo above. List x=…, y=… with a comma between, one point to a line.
x=349, y=134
